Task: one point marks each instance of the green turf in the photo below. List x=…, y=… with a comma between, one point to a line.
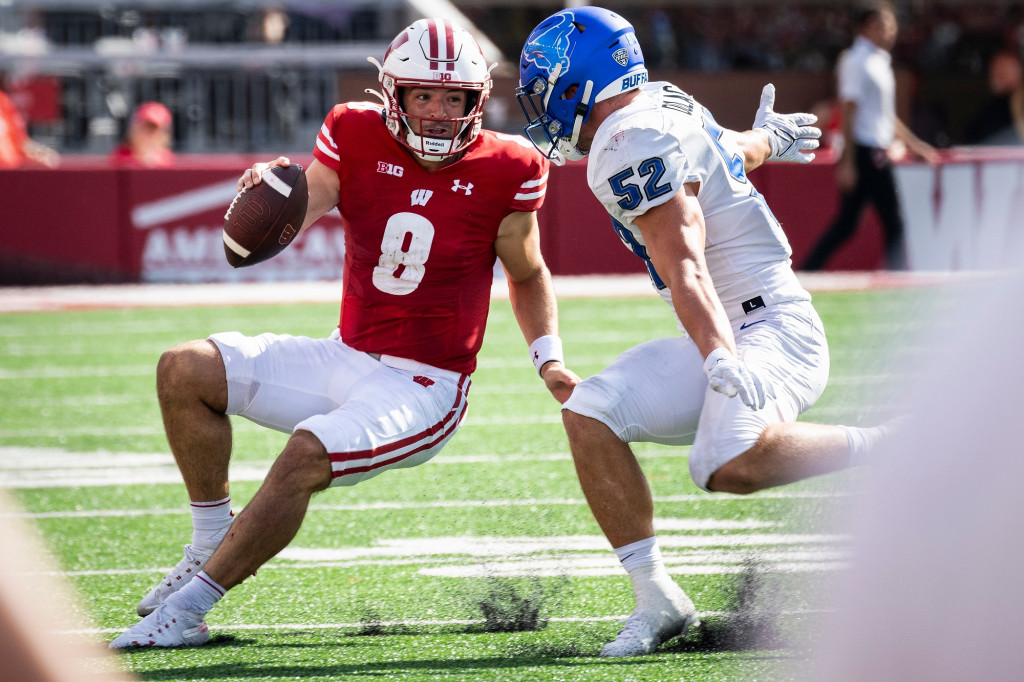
x=81, y=384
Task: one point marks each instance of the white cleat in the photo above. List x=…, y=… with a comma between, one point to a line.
x=179, y=576
x=647, y=629
x=167, y=626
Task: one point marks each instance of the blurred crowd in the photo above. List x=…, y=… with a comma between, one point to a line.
x=943, y=46
x=147, y=141
x=934, y=36
x=964, y=60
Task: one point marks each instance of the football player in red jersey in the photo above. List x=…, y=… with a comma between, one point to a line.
x=429, y=200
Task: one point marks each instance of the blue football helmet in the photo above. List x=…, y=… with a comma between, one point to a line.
x=591, y=48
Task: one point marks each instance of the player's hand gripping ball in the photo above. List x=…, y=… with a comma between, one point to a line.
x=263, y=220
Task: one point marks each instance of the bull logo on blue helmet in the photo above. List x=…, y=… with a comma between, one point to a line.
x=551, y=47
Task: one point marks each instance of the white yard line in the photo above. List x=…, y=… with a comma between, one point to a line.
x=441, y=504
x=555, y=556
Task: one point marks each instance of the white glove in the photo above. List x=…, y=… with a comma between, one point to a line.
x=790, y=135
x=729, y=376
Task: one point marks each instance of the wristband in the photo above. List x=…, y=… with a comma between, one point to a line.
x=714, y=357
x=546, y=349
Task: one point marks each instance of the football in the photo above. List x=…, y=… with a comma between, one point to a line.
x=262, y=220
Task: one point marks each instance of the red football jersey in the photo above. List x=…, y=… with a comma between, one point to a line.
x=419, y=246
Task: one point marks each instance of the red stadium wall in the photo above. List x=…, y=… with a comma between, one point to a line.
x=89, y=222
x=578, y=239
x=62, y=225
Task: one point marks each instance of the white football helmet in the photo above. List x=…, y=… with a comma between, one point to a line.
x=434, y=53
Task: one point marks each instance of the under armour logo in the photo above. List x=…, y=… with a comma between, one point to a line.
x=420, y=197
x=468, y=188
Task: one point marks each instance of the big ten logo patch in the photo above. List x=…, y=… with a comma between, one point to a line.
x=390, y=169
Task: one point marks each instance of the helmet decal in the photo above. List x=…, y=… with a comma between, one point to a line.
x=551, y=47
x=439, y=45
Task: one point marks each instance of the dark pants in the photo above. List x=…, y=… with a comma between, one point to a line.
x=875, y=184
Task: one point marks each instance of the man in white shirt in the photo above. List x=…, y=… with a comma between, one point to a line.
x=752, y=354
x=867, y=92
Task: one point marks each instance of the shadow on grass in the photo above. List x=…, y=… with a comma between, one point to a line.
x=384, y=669
x=751, y=621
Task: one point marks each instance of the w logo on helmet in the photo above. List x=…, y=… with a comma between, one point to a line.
x=551, y=45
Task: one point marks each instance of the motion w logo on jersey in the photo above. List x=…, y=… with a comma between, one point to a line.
x=420, y=197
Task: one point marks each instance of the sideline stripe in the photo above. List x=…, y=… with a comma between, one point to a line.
x=119, y=296
x=361, y=461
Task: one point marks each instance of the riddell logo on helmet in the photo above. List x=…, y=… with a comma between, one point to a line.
x=441, y=76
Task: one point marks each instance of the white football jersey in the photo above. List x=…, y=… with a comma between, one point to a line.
x=644, y=153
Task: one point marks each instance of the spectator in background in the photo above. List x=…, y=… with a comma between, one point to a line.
x=1001, y=120
x=870, y=127
x=666, y=49
x=147, y=142
x=16, y=147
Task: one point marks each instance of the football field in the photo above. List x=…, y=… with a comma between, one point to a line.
x=483, y=564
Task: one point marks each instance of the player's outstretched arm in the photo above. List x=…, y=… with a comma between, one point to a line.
x=533, y=300
x=791, y=137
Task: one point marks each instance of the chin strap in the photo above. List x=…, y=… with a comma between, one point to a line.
x=582, y=109
x=552, y=79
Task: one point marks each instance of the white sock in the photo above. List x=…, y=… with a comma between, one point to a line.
x=199, y=595
x=862, y=442
x=210, y=522
x=640, y=553
x=652, y=585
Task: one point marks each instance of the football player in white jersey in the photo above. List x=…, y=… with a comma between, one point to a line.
x=752, y=354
